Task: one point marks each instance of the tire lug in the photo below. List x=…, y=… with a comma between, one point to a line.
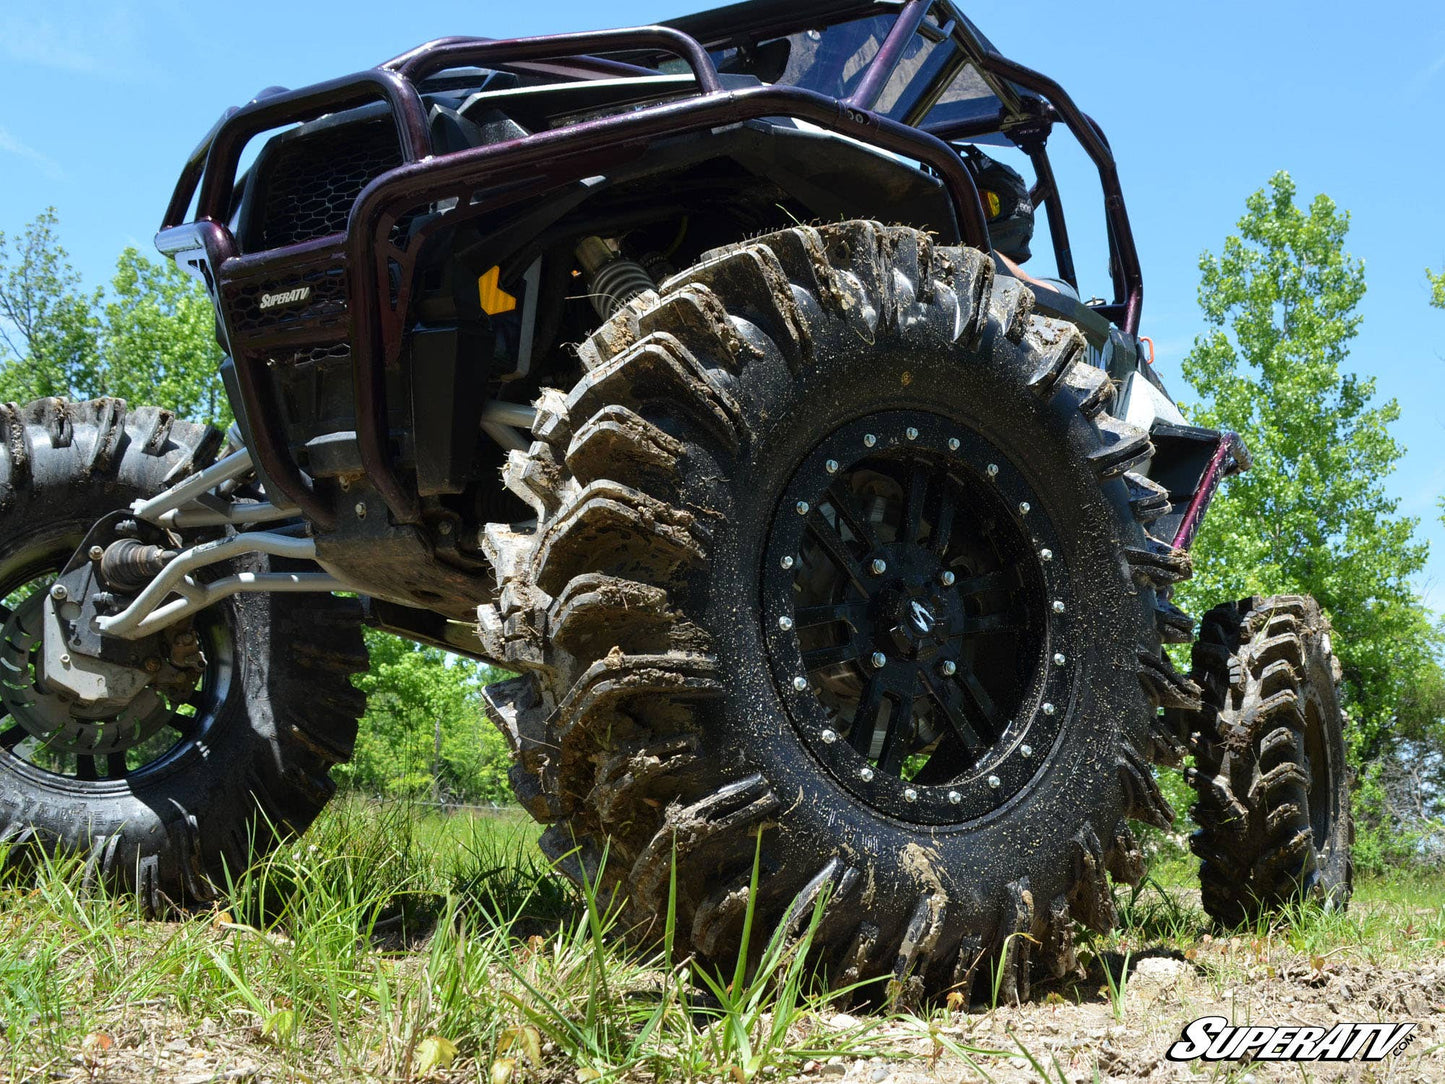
x=786, y=562
x=992, y=470
x=1060, y=658
x=1049, y=709
x=1046, y=555
x=953, y=444
x=1024, y=508
x=1026, y=751
x=360, y=509
x=879, y=660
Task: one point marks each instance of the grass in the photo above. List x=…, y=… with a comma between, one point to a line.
x=399, y=944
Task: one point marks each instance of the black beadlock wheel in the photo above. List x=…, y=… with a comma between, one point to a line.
x=1273, y=785
x=838, y=547
x=179, y=788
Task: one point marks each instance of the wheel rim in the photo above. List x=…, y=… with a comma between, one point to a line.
x=914, y=617
x=40, y=732
x=1318, y=767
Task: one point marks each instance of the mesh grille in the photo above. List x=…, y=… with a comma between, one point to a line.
x=312, y=180
x=323, y=307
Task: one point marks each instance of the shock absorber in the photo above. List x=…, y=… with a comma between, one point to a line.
x=612, y=279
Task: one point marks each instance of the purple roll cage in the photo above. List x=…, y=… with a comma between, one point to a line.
x=369, y=267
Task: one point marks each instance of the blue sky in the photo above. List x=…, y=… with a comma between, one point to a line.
x=101, y=102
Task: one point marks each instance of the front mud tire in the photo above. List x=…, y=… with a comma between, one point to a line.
x=649, y=724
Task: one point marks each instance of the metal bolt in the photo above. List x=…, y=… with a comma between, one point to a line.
x=1046, y=555
x=785, y=623
x=1048, y=709
x=991, y=470
x=995, y=782
x=829, y=736
x=831, y=466
x=787, y=562
x=800, y=683
x=948, y=668
x=865, y=774
x=954, y=797
x=869, y=440
x=911, y=433
x=910, y=795
x=1060, y=658
x=953, y=444
x=65, y=660
x=1026, y=751
x=1023, y=508
x=802, y=507
x=444, y=527
x=878, y=566
x=59, y=593
x=153, y=665
x=97, y=552
x=1059, y=606
x=360, y=509
x=879, y=660
x=946, y=578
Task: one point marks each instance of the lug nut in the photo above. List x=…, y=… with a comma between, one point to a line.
x=954, y=798
x=992, y=470
x=953, y=444
x=360, y=509
x=1023, y=508
x=1026, y=751
x=1059, y=606
x=1048, y=709
x=910, y=795
x=878, y=566
x=879, y=660
x=865, y=774
x=785, y=623
x=787, y=562
x=1060, y=658
x=59, y=593
x=831, y=466
x=995, y=782
x=948, y=668
x=802, y=507
x=829, y=736
x=1046, y=555
x=800, y=683
x=444, y=527
x=911, y=433
x=97, y=552
x=946, y=578
x=869, y=440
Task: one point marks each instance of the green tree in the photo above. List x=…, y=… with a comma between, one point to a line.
x=1312, y=516
x=49, y=325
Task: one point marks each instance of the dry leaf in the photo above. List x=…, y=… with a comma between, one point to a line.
x=95, y=1044
x=525, y=1040
x=587, y=1076
x=223, y=919
x=433, y=1053
x=503, y=1069
x=956, y=1001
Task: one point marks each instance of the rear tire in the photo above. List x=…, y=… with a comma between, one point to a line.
x=274, y=711
x=1274, y=790
x=657, y=614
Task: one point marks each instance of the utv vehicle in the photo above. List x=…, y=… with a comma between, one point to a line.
x=671, y=370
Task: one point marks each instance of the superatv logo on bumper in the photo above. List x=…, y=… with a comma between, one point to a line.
x=1214, y=1038
x=285, y=297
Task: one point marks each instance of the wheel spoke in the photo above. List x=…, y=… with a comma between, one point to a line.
x=115, y=766
x=950, y=700
x=850, y=613
x=846, y=505
x=987, y=581
x=914, y=498
x=900, y=726
x=979, y=706
x=831, y=543
x=12, y=737
x=865, y=717
x=86, y=769
x=820, y=657
x=943, y=517
x=984, y=625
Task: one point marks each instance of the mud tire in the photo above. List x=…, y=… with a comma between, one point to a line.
x=258, y=771
x=1271, y=831
x=646, y=722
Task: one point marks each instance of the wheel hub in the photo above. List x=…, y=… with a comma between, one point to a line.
x=908, y=611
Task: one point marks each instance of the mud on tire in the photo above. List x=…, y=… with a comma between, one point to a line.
x=1274, y=801
x=247, y=761
x=667, y=708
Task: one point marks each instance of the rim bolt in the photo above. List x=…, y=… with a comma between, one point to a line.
x=1023, y=508
x=910, y=795
x=787, y=562
x=878, y=566
x=831, y=466
x=97, y=552
x=360, y=509
x=946, y=578
x=802, y=508
x=1026, y=751
x=800, y=683
x=948, y=668
x=1060, y=658
x=911, y=433
x=953, y=444
x=992, y=470
x=869, y=440
x=954, y=798
x=879, y=660
x=1046, y=555
x=1048, y=709
x=65, y=660
x=785, y=623
x=59, y=593
x=865, y=774
x=153, y=665
x=1058, y=606
x=829, y=736
x=995, y=782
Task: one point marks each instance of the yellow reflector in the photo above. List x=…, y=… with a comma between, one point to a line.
x=495, y=300
x=991, y=203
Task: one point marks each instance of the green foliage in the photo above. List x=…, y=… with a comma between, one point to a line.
x=424, y=732
x=1312, y=516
